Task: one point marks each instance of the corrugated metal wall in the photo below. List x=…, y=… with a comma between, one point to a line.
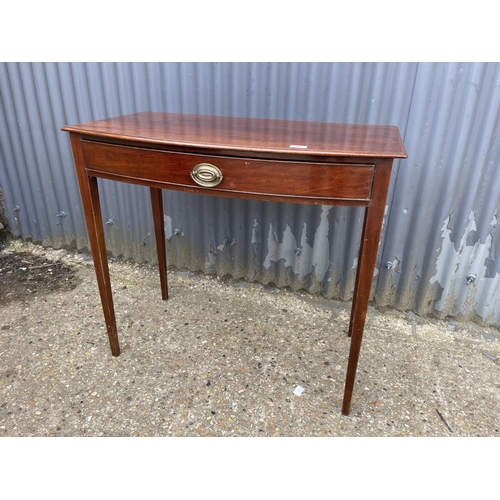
x=441, y=222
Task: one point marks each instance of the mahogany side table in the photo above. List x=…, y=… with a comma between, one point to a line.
x=274, y=160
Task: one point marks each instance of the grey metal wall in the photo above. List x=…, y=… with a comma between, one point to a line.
x=441, y=220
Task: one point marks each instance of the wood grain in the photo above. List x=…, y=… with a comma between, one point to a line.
x=241, y=175
x=158, y=216
x=232, y=134
x=372, y=226
x=299, y=162
x=91, y=206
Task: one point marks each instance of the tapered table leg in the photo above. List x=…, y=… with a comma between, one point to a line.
x=90, y=199
x=358, y=271
x=372, y=227
x=157, y=207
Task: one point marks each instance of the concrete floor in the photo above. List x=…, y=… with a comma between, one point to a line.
x=224, y=359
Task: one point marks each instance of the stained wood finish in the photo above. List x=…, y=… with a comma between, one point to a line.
x=90, y=198
x=322, y=182
x=301, y=162
x=372, y=226
x=233, y=134
x=157, y=207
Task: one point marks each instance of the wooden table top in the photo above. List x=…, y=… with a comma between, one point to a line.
x=232, y=134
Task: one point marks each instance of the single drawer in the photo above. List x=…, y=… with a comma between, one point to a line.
x=238, y=176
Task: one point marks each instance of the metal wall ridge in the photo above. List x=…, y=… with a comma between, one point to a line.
x=439, y=253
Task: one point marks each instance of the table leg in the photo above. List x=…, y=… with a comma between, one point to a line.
x=358, y=270
x=157, y=207
x=92, y=209
x=372, y=227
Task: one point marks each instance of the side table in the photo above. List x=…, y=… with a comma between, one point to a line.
x=274, y=160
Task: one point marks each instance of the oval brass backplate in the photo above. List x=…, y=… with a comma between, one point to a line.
x=206, y=175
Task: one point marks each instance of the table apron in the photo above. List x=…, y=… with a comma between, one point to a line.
x=303, y=182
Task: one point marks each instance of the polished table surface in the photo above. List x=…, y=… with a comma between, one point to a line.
x=270, y=160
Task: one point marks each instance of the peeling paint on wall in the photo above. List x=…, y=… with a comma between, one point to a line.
x=256, y=236
x=449, y=131
x=454, y=266
x=167, y=223
x=303, y=257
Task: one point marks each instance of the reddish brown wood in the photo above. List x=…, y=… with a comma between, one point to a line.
x=157, y=207
x=231, y=194
x=358, y=275
x=301, y=162
x=322, y=182
x=372, y=226
x=233, y=134
x=90, y=199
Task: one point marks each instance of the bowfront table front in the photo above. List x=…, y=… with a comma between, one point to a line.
x=270, y=160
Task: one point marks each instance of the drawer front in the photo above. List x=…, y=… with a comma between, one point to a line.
x=240, y=176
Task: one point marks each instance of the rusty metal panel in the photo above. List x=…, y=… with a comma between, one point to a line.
x=438, y=253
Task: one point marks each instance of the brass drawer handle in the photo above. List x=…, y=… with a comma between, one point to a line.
x=206, y=175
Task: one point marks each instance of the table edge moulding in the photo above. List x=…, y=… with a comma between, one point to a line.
x=270, y=160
